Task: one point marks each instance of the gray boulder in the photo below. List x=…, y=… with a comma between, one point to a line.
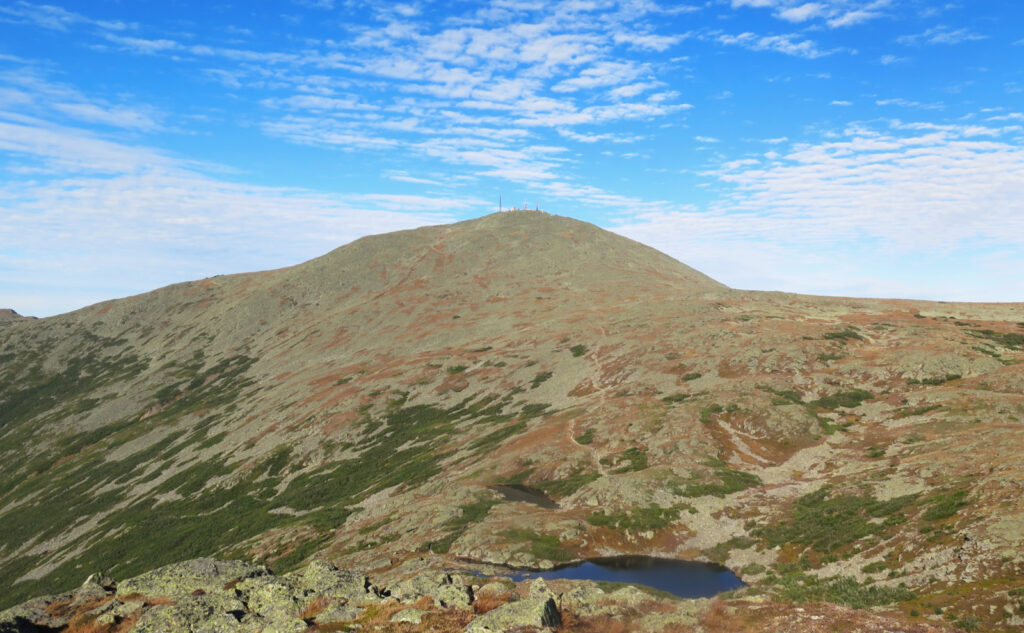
x=209, y=613
x=537, y=611
x=442, y=589
x=184, y=579
x=35, y=612
x=540, y=590
x=257, y=624
x=102, y=580
x=112, y=612
x=88, y=592
x=414, y=616
x=339, y=613
x=326, y=580
x=532, y=612
x=271, y=598
x=17, y=624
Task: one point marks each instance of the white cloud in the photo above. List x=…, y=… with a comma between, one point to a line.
x=919, y=185
x=316, y=103
x=54, y=18
x=908, y=209
x=801, y=13
x=785, y=44
x=29, y=91
x=62, y=149
x=834, y=13
x=403, y=176
x=601, y=74
x=326, y=132
x=941, y=35
x=596, y=138
x=141, y=45
x=528, y=70
x=851, y=18
x=648, y=41
x=631, y=90
x=840, y=102
x=887, y=60
x=906, y=103
x=114, y=116
x=141, y=219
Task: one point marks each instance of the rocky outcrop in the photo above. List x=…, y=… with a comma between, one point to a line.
x=216, y=596
x=212, y=596
x=53, y=612
x=207, y=595
x=204, y=575
x=442, y=589
x=538, y=610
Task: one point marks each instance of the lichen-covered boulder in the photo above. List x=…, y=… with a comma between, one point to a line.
x=414, y=616
x=35, y=612
x=326, y=580
x=584, y=599
x=454, y=596
x=210, y=613
x=184, y=579
x=271, y=597
x=112, y=612
x=102, y=580
x=339, y=613
x=255, y=623
x=410, y=589
x=17, y=624
x=442, y=589
x=537, y=611
x=540, y=590
x=88, y=592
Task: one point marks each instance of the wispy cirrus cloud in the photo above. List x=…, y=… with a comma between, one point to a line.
x=575, y=103
x=104, y=210
x=907, y=184
x=888, y=60
x=788, y=44
x=907, y=103
x=30, y=90
x=833, y=13
x=520, y=74
x=941, y=35
x=54, y=18
x=934, y=197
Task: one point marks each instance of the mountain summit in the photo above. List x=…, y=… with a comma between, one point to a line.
x=519, y=389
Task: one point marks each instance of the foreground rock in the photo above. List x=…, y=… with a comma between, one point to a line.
x=204, y=595
x=537, y=610
x=212, y=596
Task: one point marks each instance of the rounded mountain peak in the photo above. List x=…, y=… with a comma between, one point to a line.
x=518, y=248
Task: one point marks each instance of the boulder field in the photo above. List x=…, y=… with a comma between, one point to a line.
x=225, y=596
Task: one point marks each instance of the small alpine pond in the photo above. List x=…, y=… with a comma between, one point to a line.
x=526, y=494
x=686, y=579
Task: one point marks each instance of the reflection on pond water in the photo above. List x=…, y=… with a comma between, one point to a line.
x=686, y=579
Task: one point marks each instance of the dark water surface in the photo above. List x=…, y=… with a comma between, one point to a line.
x=686, y=579
x=519, y=492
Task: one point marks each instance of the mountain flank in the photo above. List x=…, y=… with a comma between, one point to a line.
x=372, y=408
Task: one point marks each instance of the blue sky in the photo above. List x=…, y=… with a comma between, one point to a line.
x=844, y=147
